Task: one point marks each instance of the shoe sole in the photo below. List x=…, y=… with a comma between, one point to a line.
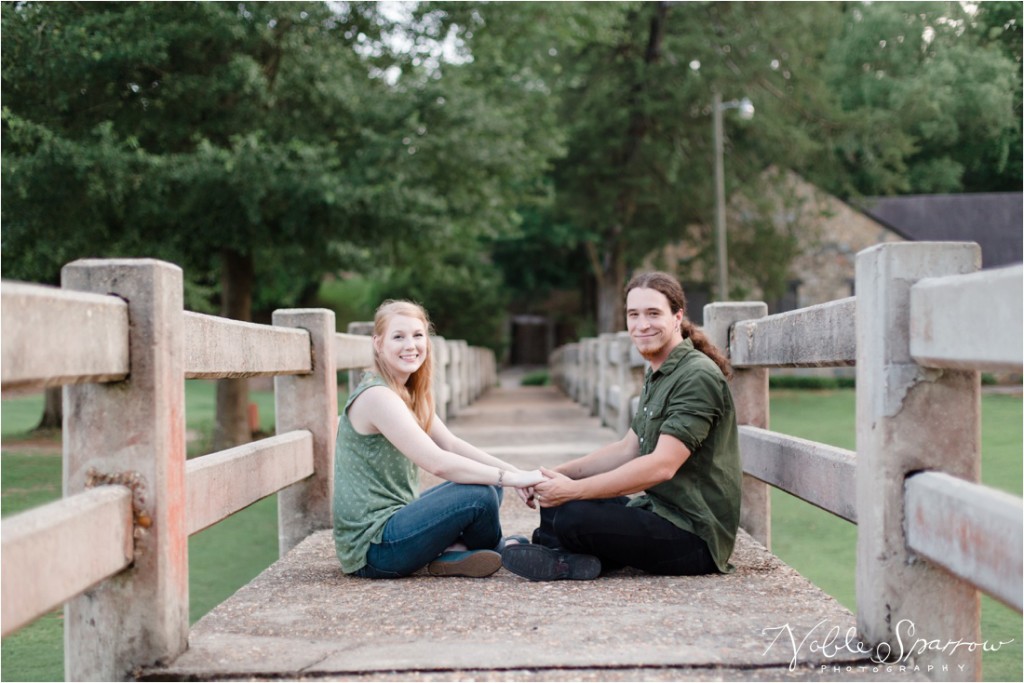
x=474, y=565
x=538, y=563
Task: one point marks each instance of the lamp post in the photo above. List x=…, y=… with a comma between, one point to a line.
x=746, y=110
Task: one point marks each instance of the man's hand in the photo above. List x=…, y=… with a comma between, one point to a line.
x=556, y=490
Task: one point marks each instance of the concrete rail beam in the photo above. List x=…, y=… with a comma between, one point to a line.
x=36, y=350
x=220, y=484
x=816, y=336
x=822, y=475
x=989, y=304
x=353, y=351
x=56, y=551
x=973, y=531
x=218, y=347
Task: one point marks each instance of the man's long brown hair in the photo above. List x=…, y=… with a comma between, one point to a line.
x=673, y=291
x=417, y=392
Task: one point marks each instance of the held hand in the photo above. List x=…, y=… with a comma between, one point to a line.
x=556, y=490
x=526, y=495
x=525, y=479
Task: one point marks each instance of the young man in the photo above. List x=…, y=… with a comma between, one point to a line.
x=682, y=451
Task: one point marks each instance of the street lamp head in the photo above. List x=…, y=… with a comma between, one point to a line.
x=746, y=109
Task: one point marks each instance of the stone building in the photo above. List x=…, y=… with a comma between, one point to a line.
x=829, y=233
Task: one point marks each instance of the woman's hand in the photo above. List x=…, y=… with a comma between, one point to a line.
x=526, y=495
x=524, y=479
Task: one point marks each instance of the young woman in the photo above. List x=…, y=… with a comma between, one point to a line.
x=382, y=529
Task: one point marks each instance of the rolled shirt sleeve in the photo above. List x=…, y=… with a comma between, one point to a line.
x=694, y=406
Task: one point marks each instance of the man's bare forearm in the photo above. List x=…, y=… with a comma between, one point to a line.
x=604, y=459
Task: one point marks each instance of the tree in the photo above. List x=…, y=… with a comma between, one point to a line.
x=1001, y=25
x=638, y=171
x=198, y=132
x=259, y=145
x=930, y=108
x=858, y=98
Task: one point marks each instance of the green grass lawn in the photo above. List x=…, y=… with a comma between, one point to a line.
x=822, y=546
x=226, y=556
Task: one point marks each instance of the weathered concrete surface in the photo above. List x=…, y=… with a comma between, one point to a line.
x=304, y=619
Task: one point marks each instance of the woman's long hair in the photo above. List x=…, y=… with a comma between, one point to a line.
x=673, y=291
x=417, y=392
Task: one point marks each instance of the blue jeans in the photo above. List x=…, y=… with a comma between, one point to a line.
x=445, y=514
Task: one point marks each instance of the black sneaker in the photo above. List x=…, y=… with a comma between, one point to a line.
x=537, y=563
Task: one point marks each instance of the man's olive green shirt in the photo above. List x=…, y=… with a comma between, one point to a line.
x=688, y=398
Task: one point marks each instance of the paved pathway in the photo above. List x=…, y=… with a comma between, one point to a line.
x=304, y=619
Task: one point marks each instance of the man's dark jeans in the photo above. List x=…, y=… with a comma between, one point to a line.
x=623, y=536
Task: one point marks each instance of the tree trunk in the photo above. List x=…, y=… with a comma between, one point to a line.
x=610, y=264
x=53, y=410
x=232, y=428
x=610, y=274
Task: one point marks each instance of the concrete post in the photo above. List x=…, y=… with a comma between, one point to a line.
x=464, y=373
x=592, y=371
x=604, y=344
x=454, y=377
x=308, y=402
x=363, y=328
x=623, y=379
x=909, y=419
x=749, y=387
x=476, y=379
x=133, y=433
x=439, y=353
x=582, y=381
x=570, y=370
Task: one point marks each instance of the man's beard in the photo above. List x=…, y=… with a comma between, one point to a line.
x=653, y=353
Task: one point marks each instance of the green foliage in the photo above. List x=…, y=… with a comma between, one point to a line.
x=567, y=140
x=20, y=415
x=353, y=299
x=930, y=105
x=461, y=292
x=810, y=382
x=177, y=140
x=537, y=378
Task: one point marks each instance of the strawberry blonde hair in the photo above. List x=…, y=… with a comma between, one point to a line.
x=417, y=392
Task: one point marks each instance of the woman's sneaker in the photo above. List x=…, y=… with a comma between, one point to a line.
x=538, y=563
x=510, y=541
x=472, y=563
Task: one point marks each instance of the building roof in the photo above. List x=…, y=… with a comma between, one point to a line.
x=993, y=219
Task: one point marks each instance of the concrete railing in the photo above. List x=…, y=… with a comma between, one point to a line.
x=114, y=549
x=923, y=325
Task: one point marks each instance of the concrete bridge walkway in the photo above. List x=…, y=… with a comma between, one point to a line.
x=303, y=619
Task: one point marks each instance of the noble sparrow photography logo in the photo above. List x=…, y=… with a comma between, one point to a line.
x=830, y=643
